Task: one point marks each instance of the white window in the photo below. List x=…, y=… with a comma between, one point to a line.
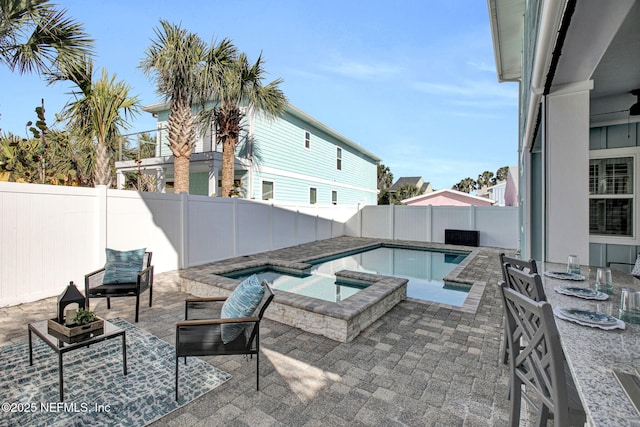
x=334, y=197
x=313, y=195
x=307, y=139
x=339, y=158
x=267, y=190
x=612, y=182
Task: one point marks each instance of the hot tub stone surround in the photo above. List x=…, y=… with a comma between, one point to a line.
x=341, y=321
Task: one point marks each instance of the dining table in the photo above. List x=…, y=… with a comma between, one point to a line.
x=593, y=354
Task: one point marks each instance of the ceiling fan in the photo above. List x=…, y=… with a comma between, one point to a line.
x=634, y=110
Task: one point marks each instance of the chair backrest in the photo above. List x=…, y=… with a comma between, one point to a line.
x=146, y=261
x=262, y=307
x=527, y=266
x=516, y=274
x=537, y=360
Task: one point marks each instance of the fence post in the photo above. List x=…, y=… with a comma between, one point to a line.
x=472, y=218
x=429, y=226
x=184, y=231
x=271, y=227
x=392, y=225
x=235, y=225
x=102, y=226
x=295, y=224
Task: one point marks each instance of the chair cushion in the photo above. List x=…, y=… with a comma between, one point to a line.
x=115, y=289
x=636, y=268
x=242, y=302
x=123, y=266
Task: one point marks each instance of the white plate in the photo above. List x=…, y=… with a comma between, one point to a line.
x=579, y=292
x=563, y=275
x=589, y=318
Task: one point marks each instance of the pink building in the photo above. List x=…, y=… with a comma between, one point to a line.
x=448, y=197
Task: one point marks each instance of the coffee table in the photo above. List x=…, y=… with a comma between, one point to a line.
x=60, y=347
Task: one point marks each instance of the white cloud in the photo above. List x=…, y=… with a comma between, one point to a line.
x=483, y=66
x=361, y=70
x=469, y=89
x=305, y=74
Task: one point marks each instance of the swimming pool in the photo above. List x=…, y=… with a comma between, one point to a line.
x=424, y=270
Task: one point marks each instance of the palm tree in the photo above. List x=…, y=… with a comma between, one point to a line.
x=100, y=111
x=406, y=191
x=36, y=36
x=385, y=179
x=240, y=85
x=179, y=62
x=502, y=173
x=466, y=185
x=485, y=179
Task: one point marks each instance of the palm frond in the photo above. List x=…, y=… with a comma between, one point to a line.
x=35, y=36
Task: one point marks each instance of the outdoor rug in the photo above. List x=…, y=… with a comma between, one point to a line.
x=96, y=392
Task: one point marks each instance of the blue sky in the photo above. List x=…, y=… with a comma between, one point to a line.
x=414, y=82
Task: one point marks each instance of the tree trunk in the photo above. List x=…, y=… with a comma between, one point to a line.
x=181, y=143
x=101, y=174
x=228, y=160
x=181, y=174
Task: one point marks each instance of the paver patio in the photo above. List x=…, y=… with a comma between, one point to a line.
x=420, y=365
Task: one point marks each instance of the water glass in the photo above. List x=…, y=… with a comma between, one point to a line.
x=604, y=307
x=573, y=264
x=604, y=283
x=630, y=305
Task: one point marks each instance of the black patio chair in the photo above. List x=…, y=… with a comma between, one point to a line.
x=200, y=333
x=94, y=288
x=537, y=360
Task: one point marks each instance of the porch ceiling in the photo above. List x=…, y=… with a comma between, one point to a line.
x=507, y=29
x=603, y=44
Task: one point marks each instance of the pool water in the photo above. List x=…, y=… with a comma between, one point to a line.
x=424, y=270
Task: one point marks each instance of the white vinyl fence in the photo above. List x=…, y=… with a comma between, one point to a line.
x=498, y=226
x=51, y=235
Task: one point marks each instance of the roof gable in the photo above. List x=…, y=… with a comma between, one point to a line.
x=409, y=180
x=453, y=194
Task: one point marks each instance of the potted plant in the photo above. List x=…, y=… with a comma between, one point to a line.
x=84, y=322
x=84, y=316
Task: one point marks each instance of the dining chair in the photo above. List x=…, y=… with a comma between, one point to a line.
x=536, y=293
x=537, y=361
x=522, y=265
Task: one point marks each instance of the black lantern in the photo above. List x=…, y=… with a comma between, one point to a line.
x=71, y=295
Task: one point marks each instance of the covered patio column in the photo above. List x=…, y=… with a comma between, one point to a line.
x=566, y=176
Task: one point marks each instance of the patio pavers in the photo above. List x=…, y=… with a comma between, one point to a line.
x=420, y=364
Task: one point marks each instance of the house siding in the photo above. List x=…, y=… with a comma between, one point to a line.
x=199, y=183
x=280, y=155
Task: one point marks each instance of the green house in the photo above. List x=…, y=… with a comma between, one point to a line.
x=294, y=159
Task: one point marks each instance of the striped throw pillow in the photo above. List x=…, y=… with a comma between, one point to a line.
x=122, y=266
x=242, y=302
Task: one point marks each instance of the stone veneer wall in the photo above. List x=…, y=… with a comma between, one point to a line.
x=341, y=321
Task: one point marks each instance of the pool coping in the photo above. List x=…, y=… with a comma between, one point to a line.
x=343, y=320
